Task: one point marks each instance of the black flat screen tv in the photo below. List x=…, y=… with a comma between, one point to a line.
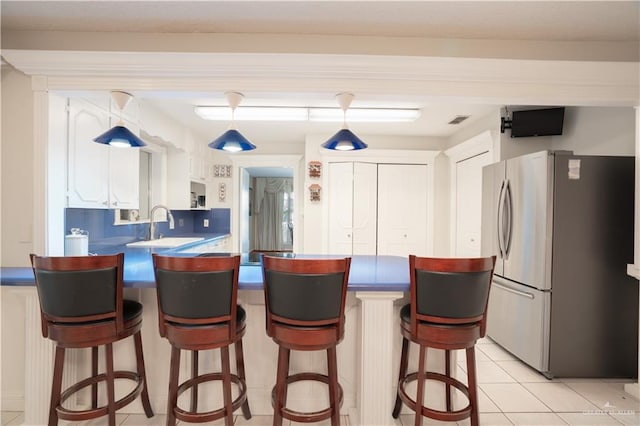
x=537, y=122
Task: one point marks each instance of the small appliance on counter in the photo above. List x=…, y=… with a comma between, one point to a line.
x=76, y=243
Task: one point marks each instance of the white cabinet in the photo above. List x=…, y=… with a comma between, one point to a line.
x=352, y=208
x=378, y=208
x=181, y=183
x=124, y=178
x=219, y=245
x=199, y=164
x=402, y=209
x=99, y=176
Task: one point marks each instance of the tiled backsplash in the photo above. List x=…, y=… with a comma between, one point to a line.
x=99, y=224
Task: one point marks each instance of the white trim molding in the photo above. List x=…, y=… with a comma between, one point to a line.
x=495, y=81
x=478, y=144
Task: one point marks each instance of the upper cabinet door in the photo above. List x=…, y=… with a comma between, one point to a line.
x=88, y=171
x=402, y=209
x=124, y=178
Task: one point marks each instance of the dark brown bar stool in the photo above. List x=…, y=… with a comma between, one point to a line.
x=447, y=311
x=304, y=301
x=198, y=310
x=81, y=306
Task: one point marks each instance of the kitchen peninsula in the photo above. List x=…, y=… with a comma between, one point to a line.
x=367, y=358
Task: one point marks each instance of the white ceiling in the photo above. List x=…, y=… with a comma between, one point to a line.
x=502, y=20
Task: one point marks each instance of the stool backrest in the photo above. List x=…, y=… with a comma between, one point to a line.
x=305, y=292
x=197, y=290
x=79, y=289
x=450, y=290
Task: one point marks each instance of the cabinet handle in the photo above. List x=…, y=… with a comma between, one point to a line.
x=348, y=235
x=115, y=203
x=105, y=203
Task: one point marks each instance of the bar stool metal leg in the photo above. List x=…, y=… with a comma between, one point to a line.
x=420, y=391
x=471, y=380
x=174, y=372
x=404, y=362
x=94, y=373
x=281, y=385
x=144, y=395
x=332, y=370
x=226, y=385
x=246, y=412
x=194, y=374
x=447, y=372
x=111, y=404
x=56, y=386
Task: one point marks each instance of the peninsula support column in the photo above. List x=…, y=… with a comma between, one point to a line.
x=634, y=270
x=377, y=383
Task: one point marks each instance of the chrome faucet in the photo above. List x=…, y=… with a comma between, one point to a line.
x=152, y=222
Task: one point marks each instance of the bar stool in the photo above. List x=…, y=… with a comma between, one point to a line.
x=447, y=311
x=304, y=303
x=198, y=310
x=81, y=306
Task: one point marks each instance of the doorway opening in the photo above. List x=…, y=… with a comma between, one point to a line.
x=269, y=213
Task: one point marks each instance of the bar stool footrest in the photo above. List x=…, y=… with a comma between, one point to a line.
x=208, y=416
x=308, y=417
x=454, y=415
x=79, y=415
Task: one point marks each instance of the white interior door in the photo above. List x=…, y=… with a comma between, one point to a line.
x=341, y=208
x=402, y=209
x=365, y=188
x=468, y=214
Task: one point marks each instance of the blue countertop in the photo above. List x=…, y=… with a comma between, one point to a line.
x=368, y=273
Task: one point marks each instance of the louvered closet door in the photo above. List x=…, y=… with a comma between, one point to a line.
x=402, y=209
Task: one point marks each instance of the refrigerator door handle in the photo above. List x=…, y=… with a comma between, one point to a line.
x=500, y=219
x=514, y=291
x=508, y=204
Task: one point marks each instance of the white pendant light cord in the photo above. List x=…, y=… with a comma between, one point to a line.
x=234, y=99
x=121, y=99
x=344, y=100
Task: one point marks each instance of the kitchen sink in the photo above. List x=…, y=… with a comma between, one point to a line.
x=170, y=242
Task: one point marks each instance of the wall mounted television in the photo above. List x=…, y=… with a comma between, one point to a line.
x=537, y=122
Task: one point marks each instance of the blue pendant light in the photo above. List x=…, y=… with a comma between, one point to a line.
x=345, y=139
x=119, y=135
x=232, y=140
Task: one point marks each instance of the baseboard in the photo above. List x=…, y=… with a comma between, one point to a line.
x=633, y=389
x=12, y=401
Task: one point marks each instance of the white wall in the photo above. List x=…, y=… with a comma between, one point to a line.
x=490, y=122
x=586, y=131
x=315, y=234
x=17, y=168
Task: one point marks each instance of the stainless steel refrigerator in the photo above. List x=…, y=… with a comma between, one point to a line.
x=562, y=228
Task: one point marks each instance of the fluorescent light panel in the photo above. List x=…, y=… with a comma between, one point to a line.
x=248, y=113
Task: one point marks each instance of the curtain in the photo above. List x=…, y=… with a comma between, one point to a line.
x=269, y=202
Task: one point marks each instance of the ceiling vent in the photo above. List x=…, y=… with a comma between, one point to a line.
x=459, y=119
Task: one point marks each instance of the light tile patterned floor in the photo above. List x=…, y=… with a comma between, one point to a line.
x=510, y=393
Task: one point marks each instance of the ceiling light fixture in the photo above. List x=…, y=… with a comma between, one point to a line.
x=119, y=135
x=247, y=113
x=276, y=113
x=365, y=115
x=345, y=139
x=232, y=140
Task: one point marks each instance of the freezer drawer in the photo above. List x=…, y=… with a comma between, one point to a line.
x=518, y=320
